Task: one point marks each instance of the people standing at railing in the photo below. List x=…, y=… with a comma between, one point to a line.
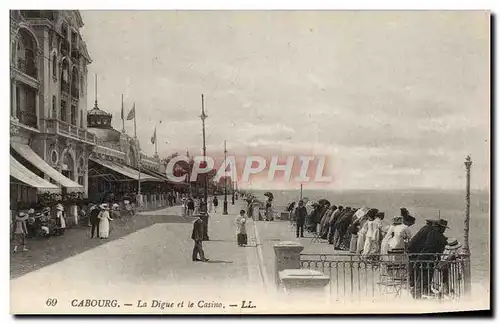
x=344, y=237
x=449, y=266
x=300, y=218
x=324, y=222
x=373, y=233
x=422, y=267
x=396, y=237
x=331, y=223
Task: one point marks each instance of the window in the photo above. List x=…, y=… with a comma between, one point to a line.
x=63, y=110
x=64, y=31
x=54, y=107
x=54, y=66
x=73, y=115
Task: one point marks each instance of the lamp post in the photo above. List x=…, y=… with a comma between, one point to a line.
x=467, y=270
x=203, y=205
x=224, y=211
x=232, y=189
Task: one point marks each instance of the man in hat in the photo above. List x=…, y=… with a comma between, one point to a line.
x=434, y=244
x=300, y=218
x=197, y=236
x=416, y=242
x=452, y=252
x=94, y=221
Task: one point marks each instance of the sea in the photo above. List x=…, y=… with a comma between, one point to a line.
x=422, y=204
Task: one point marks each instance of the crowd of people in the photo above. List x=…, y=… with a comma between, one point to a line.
x=47, y=221
x=362, y=231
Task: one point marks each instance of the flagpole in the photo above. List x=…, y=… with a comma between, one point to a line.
x=139, y=166
x=123, y=117
x=156, y=143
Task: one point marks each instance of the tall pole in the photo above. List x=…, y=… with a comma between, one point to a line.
x=224, y=211
x=467, y=269
x=232, y=190
x=203, y=206
x=123, y=117
x=189, y=174
x=301, y=191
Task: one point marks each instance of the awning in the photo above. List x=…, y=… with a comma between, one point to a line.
x=155, y=174
x=26, y=152
x=21, y=173
x=124, y=170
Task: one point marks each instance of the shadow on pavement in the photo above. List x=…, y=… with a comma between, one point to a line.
x=46, y=251
x=218, y=261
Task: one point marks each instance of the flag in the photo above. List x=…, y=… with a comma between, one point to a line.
x=153, y=138
x=131, y=114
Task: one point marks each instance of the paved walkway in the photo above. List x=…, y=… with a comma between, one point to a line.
x=46, y=251
x=152, y=263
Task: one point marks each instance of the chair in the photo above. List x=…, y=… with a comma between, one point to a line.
x=394, y=272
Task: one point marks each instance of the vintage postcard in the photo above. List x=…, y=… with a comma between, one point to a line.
x=249, y=162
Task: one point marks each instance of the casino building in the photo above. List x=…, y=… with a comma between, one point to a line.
x=57, y=148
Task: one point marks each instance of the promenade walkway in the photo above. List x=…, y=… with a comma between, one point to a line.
x=151, y=263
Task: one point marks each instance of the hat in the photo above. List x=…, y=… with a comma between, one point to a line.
x=453, y=244
x=103, y=206
x=397, y=220
x=442, y=223
x=59, y=207
x=380, y=215
x=409, y=220
x=22, y=216
x=31, y=211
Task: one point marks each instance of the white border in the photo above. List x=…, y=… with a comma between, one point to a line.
x=190, y=5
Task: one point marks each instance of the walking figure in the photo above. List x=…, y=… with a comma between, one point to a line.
x=197, y=236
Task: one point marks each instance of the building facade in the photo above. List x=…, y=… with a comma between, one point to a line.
x=48, y=74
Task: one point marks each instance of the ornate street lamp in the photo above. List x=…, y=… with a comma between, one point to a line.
x=467, y=270
x=203, y=205
x=224, y=211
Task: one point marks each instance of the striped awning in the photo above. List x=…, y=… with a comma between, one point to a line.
x=26, y=152
x=125, y=170
x=21, y=173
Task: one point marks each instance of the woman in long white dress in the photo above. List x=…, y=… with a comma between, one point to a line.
x=372, y=237
x=104, y=222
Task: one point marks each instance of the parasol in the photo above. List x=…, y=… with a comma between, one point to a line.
x=323, y=202
x=269, y=195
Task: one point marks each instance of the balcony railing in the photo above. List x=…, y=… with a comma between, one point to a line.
x=56, y=126
x=28, y=117
x=65, y=47
x=27, y=66
x=65, y=86
x=75, y=53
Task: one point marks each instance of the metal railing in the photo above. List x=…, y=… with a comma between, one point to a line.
x=27, y=66
x=394, y=275
x=65, y=46
x=28, y=118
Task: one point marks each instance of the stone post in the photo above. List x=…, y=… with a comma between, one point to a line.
x=287, y=256
x=305, y=283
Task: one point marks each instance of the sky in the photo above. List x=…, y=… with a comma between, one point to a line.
x=392, y=99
